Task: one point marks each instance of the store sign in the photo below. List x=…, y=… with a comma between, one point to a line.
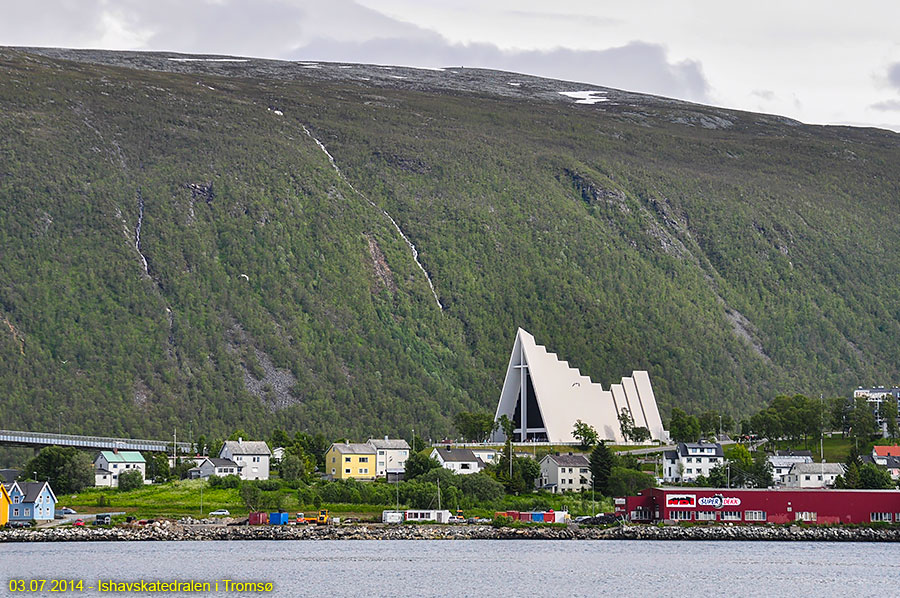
x=681, y=500
x=718, y=501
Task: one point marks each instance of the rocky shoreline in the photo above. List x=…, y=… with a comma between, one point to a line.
x=172, y=531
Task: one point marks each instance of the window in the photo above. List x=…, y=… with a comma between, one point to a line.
x=583, y=470
x=688, y=470
x=332, y=459
x=754, y=515
x=879, y=517
x=689, y=460
x=706, y=515
x=256, y=459
x=363, y=459
x=364, y=470
x=464, y=466
x=380, y=453
x=806, y=478
x=15, y=512
x=332, y=471
x=347, y=470
x=731, y=515
x=680, y=515
x=27, y=512
x=346, y=459
x=805, y=516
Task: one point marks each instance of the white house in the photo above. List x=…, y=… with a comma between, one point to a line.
x=251, y=456
x=690, y=460
x=109, y=465
x=782, y=461
x=489, y=456
x=391, y=456
x=813, y=475
x=212, y=466
x=461, y=461
x=565, y=473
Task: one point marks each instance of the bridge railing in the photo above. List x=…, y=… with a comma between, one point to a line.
x=98, y=442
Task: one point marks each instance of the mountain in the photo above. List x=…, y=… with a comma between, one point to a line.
x=210, y=242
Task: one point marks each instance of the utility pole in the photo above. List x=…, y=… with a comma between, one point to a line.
x=728, y=475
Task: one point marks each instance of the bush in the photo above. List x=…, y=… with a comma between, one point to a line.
x=229, y=481
x=268, y=485
x=130, y=480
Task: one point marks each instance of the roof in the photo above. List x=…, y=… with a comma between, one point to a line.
x=9, y=475
x=785, y=461
x=564, y=395
x=388, y=443
x=683, y=447
x=221, y=462
x=123, y=457
x=829, y=468
x=353, y=448
x=793, y=453
x=102, y=472
x=32, y=490
x=569, y=460
x=887, y=451
x=888, y=462
x=246, y=447
x=459, y=455
x=671, y=455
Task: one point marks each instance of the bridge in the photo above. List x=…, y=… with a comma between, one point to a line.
x=40, y=439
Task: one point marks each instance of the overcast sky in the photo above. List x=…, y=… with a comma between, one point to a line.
x=817, y=61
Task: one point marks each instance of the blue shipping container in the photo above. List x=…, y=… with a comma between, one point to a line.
x=278, y=518
x=537, y=517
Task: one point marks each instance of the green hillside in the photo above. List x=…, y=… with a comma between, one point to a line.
x=733, y=255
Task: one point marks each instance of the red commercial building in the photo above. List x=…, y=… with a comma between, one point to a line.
x=760, y=505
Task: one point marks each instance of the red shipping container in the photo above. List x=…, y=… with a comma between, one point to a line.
x=258, y=518
x=524, y=516
x=513, y=514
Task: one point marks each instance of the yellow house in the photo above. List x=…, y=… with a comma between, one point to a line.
x=350, y=460
x=5, y=501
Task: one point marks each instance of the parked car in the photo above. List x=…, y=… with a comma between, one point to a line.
x=19, y=524
x=78, y=523
x=220, y=513
x=456, y=519
x=67, y=511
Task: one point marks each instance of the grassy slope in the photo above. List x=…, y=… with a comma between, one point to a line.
x=620, y=241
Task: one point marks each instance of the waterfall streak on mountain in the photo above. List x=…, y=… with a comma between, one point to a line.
x=412, y=248
x=137, y=232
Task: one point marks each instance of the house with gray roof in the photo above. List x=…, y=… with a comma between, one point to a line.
x=251, y=456
x=566, y=472
x=813, y=475
x=31, y=501
x=391, y=456
x=213, y=466
x=458, y=460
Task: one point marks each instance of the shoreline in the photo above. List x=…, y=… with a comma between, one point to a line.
x=170, y=531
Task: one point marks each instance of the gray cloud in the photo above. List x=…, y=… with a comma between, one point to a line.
x=637, y=66
x=893, y=75
x=339, y=30
x=886, y=106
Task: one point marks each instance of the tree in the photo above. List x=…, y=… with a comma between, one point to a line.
x=419, y=464
x=67, y=469
x=873, y=477
x=888, y=413
x=528, y=469
x=601, y=464
x=252, y=496
x=130, y=480
x=585, y=434
x=862, y=421
x=292, y=468
x=683, y=427
x=475, y=426
x=626, y=423
x=640, y=434
x=709, y=423
x=628, y=482
x=157, y=467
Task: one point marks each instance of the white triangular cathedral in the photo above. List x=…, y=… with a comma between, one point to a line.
x=544, y=397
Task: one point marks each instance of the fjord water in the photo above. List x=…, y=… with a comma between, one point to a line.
x=423, y=569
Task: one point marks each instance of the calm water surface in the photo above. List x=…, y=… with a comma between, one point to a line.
x=478, y=569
